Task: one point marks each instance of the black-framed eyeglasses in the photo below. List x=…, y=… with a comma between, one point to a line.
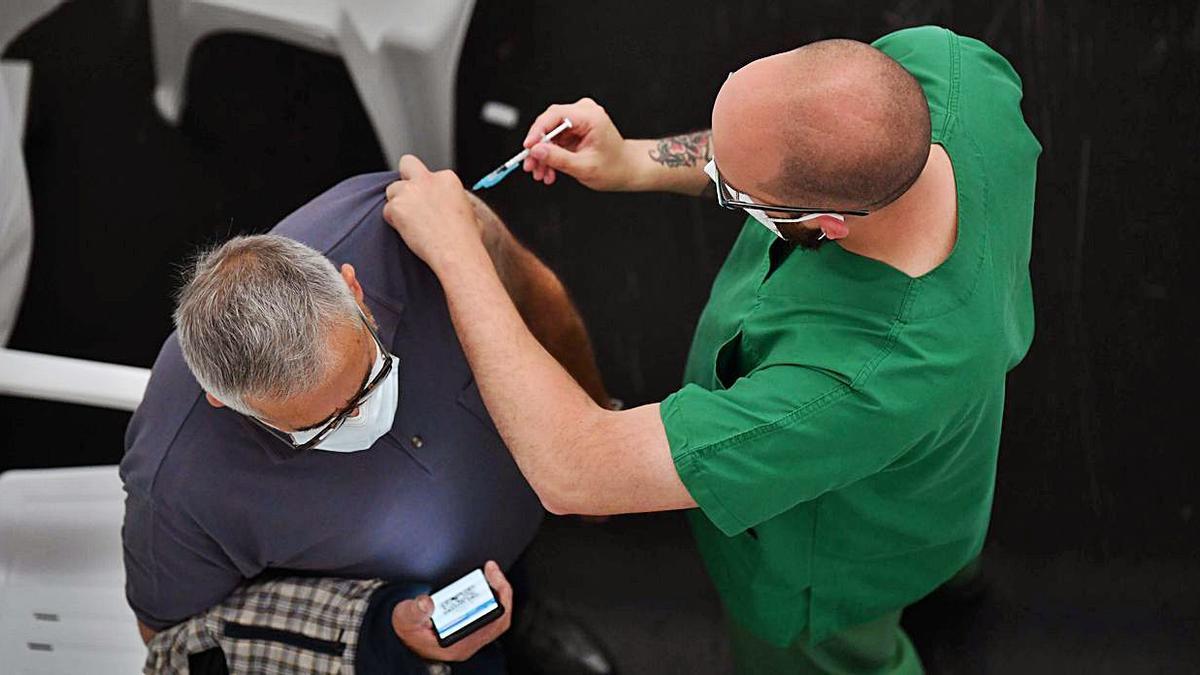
x=731, y=199
x=339, y=418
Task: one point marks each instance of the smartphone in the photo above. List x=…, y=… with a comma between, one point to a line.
x=463, y=607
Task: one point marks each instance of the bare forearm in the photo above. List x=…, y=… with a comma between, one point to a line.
x=578, y=457
x=671, y=164
x=544, y=416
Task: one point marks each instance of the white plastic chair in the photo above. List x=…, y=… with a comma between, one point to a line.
x=16, y=213
x=59, y=378
x=401, y=54
x=62, y=582
x=17, y=15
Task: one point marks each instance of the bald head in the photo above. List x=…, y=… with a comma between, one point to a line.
x=835, y=124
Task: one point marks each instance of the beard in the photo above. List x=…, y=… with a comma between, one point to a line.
x=808, y=238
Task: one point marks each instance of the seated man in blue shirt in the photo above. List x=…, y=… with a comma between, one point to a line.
x=323, y=420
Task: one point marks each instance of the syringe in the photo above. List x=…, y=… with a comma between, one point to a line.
x=506, y=168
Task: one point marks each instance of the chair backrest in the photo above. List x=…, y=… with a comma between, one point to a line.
x=17, y=15
x=59, y=378
x=419, y=23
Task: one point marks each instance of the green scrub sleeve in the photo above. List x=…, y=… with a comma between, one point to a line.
x=783, y=435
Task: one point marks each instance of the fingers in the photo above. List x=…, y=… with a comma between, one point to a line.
x=410, y=620
x=545, y=123
x=412, y=167
x=495, y=578
x=540, y=171
x=584, y=114
x=450, y=178
x=412, y=614
x=550, y=156
x=469, y=645
x=392, y=212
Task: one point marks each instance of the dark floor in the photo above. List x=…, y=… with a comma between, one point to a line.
x=1094, y=555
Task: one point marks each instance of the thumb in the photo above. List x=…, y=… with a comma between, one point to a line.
x=412, y=613
x=411, y=167
x=556, y=157
x=491, y=572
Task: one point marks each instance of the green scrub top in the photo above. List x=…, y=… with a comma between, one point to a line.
x=840, y=420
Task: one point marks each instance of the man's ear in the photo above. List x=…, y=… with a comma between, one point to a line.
x=352, y=282
x=834, y=228
x=212, y=400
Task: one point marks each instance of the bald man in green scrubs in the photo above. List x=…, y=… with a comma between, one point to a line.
x=838, y=430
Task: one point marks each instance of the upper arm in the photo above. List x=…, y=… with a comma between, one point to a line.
x=172, y=568
x=780, y=436
x=626, y=468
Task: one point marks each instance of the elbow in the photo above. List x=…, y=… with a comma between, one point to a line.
x=555, y=501
x=554, y=507
x=572, y=502
x=565, y=487
x=562, y=496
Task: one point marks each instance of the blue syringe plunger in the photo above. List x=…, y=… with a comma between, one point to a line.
x=494, y=177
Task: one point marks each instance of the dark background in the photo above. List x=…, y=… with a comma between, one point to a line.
x=1093, y=555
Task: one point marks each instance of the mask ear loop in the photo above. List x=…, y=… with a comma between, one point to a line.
x=801, y=219
x=766, y=222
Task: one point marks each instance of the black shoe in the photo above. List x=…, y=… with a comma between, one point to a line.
x=545, y=640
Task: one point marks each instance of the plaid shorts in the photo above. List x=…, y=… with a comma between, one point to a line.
x=275, y=627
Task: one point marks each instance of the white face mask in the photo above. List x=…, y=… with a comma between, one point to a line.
x=374, y=418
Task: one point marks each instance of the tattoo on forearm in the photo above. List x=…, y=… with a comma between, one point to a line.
x=684, y=150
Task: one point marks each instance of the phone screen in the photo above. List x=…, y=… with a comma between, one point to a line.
x=464, y=606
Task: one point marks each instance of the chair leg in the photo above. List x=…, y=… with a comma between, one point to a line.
x=436, y=126
x=408, y=91
x=172, y=47
x=420, y=97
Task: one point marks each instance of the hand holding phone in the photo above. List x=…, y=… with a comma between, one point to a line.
x=467, y=614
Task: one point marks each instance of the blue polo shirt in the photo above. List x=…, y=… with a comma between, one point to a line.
x=213, y=500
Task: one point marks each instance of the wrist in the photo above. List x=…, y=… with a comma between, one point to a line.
x=641, y=171
x=648, y=174
x=457, y=260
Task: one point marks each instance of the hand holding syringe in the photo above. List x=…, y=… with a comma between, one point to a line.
x=506, y=168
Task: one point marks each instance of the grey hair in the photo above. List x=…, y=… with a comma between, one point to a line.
x=254, y=315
